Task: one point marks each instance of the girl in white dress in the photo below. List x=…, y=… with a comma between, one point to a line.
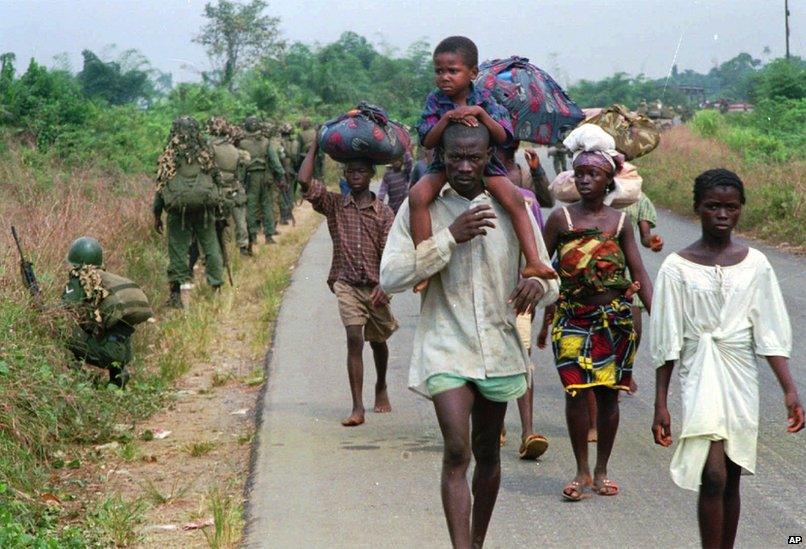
x=717, y=305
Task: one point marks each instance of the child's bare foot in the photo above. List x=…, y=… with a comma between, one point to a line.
x=355, y=419
x=382, y=405
x=540, y=271
x=593, y=436
x=421, y=286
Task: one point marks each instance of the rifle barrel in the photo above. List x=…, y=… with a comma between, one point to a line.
x=17, y=240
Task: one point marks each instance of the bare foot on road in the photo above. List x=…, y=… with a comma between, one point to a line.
x=382, y=405
x=355, y=419
x=593, y=436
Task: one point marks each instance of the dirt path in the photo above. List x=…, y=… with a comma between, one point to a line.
x=197, y=472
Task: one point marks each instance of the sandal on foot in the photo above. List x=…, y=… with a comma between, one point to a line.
x=574, y=491
x=533, y=446
x=606, y=487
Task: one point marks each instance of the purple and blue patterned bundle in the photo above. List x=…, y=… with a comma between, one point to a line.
x=364, y=133
x=540, y=109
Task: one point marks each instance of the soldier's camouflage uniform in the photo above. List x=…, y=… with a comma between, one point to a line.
x=109, y=348
x=231, y=162
x=260, y=185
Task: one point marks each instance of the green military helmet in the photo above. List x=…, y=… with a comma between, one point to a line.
x=185, y=124
x=85, y=251
x=286, y=129
x=251, y=124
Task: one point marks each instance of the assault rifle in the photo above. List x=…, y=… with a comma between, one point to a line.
x=27, y=270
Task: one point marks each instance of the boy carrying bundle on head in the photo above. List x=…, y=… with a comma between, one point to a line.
x=358, y=224
x=457, y=100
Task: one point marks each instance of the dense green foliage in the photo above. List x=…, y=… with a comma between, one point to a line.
x=775, y=131
x=742, y=78
x=113, y=114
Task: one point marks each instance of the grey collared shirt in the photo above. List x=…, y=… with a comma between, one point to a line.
x=466, y=326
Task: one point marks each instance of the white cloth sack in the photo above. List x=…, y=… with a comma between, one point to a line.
x=627, y=191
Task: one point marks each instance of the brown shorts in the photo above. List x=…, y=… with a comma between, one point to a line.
x=355, y=308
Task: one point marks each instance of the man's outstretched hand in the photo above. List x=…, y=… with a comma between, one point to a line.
x=472, y=223
x=526, y=295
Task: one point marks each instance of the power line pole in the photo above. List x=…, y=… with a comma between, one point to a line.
x=786, y=23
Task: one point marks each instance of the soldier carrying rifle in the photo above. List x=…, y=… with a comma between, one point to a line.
x=106, y=307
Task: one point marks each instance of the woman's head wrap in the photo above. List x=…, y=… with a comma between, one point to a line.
x=592, y=146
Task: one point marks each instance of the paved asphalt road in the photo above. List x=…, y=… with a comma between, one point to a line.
x=317, y=484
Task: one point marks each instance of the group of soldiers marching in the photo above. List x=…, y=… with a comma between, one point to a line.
x=232, y=176
x=251, y=170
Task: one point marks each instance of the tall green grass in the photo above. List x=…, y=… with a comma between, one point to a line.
x=776, y=190
x=49, y=409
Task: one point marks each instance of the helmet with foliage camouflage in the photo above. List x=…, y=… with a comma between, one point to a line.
x=219, y=126
x=85, y=251
x=267, y=128
x=185, y=142
x=286, y=129
x=251, y=124
x=304, y=122
x=185, y=124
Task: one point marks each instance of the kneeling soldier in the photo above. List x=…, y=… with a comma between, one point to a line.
x=106, y=306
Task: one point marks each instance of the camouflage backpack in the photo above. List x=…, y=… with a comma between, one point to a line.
x=113, y=298
x=191, y=193
x=126, y=301
x=635, y=134
x=185, y=168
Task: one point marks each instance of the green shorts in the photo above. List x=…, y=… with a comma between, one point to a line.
x=497, y=389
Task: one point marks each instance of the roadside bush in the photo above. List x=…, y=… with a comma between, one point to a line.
x=776, y=191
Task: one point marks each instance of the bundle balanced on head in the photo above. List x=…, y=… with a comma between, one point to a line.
x=359, y=224
x=592, y=334
x=457, y=100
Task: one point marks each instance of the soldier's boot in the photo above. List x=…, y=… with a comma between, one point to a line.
x=175, y=297
x=270, y=240
x=118, y=376
x=246, y=250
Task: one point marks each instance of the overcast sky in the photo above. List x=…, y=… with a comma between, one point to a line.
x=582, y=38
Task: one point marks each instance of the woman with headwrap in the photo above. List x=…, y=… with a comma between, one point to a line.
x=592, y=332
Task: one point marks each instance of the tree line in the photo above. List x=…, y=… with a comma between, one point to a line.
x=116, y=112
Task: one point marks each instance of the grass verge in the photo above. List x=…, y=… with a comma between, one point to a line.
x=58, y=423
x=776, y=191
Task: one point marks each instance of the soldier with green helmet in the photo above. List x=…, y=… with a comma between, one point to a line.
x=231, y=163
x=106, y=308
x=189, y=189
x=259, y=184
